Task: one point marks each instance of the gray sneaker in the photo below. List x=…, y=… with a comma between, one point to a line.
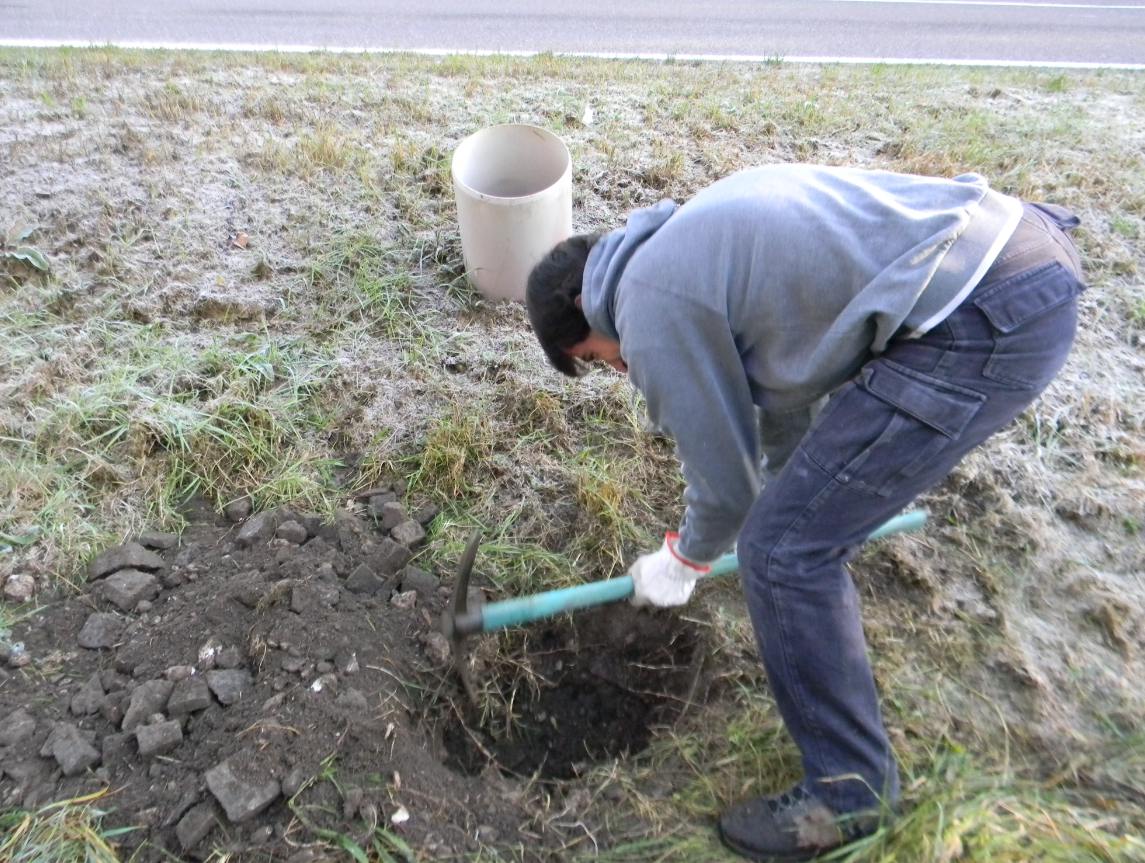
x=788, y=827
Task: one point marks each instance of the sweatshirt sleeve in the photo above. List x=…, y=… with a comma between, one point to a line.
x=683, y=358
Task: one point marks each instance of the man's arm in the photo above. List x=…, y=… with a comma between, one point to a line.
x=683, y=358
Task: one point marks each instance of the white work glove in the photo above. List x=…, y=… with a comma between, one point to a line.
x=664, y=578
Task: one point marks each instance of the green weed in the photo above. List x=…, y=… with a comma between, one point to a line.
x=16, y=249
x=1125, y=227
x=374, y=844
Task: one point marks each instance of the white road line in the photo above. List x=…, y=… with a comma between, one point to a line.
x=587, y=55
x=1132, y=7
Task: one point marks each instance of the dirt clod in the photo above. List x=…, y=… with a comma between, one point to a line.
x=387, y=557
x=404, y=599
x=242, y=797
x=131, y=555
x=89, y=698
x=116, y=749
x=19, y=587
x=292, y=532
x=409, y=533
x=127, y=588
x=101, y=631
x=363, y=580
x=425, y=514
x=377, y=504
x=228, y=657
x=158, y=540
x=293, y=781
x=71, y=749
x=229, y=685
x=237, y=510
x=393, y=514
x=194, y=826
x=437, y=648
x=256, y=530
x=146, y=700
x=18, y=726
x=158, y=738
x=426, y=584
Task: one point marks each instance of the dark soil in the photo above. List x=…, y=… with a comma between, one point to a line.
x=603, y=680
x=278, y=687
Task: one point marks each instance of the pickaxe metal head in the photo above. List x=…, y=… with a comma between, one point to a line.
x=458, y=621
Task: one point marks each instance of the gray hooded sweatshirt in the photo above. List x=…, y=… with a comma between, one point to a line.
x=740, y=310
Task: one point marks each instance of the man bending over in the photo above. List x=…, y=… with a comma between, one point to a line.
x=931, y=311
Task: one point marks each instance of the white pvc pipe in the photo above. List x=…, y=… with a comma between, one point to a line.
x=513, y=185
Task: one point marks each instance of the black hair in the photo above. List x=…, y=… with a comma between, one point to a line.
x=550, y=298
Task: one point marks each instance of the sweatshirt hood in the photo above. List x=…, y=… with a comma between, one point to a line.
x=607, y=260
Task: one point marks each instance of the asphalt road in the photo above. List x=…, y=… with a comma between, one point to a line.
x=1081, y=31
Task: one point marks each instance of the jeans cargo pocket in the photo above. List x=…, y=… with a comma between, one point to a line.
x=888, y=425
x=1030, y=344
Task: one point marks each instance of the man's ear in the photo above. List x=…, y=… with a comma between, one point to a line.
x=577, y=301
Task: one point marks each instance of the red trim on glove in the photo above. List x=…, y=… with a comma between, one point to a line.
x=670, y=539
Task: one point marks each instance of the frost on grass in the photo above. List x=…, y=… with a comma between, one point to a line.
x=256, y=291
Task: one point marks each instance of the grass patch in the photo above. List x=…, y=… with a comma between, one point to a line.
x=612, y=502
x=955, y=807
x=512, y=565
x=959, y=811
x=359, y=278
x=65, y=830
x=165, y=421
x=458, y=451
x=172, y=104
x=373, y=841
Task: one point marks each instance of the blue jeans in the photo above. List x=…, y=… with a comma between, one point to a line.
x=895, y=430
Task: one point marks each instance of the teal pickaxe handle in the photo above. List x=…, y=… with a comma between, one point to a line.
x=525, y=609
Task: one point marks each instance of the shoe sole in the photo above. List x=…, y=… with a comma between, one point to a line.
x=757, y=857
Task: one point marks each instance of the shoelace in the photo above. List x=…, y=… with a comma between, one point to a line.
x=788, y=799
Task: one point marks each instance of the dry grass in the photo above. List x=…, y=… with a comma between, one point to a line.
x=64, y=830
x=161, y=356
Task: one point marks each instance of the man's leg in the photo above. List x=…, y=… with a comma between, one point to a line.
x=897, y=429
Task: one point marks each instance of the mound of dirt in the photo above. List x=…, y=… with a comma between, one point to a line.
x=266, y=686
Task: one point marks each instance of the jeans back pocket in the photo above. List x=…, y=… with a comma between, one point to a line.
x=1034, y=317
x=1026, y=295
